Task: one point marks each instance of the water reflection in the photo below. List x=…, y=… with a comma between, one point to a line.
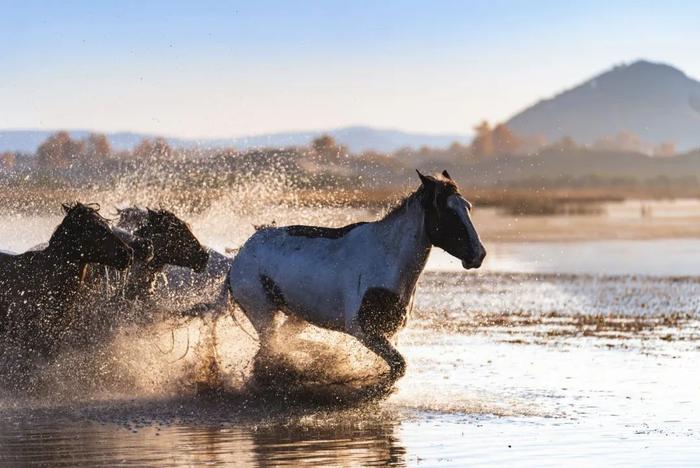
x=375, y=444
x=198, y=433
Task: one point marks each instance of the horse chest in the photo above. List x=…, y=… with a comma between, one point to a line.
x=382, y=312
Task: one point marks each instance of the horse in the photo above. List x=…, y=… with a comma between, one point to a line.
x=173, y=242
x=39, y=288
x=102, y=277
x=358, y=279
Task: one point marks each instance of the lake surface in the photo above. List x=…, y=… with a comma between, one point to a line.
x=660, y=257
x=518, y=369
x=554, y=353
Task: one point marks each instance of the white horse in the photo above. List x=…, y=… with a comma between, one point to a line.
x=358, y=279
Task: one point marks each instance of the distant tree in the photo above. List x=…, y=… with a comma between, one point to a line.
x=144, y=149
x=458, y=151
x=153, y=149
x=565, y=143
x=624, y=141
x=59, y=150
x=161, y=149
x=628, y=141
x=325, y=148
x=7, y=160
x=531, y=144
x=505, y=141
x=482, y=144
x=97, y=147
x=371, y=155
x=665, y=149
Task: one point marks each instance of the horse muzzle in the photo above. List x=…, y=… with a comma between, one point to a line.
x=474, y=262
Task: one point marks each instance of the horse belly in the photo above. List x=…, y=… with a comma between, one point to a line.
x=313, y=294
x=306, y=278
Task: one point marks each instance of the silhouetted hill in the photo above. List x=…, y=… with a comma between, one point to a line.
x=357, y=139
x=656, y=101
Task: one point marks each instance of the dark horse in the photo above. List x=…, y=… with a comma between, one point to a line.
x=38, y=288
x=173, y=244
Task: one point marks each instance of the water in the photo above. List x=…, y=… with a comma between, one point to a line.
x=536, y=385
x=556, y=353
x=659, y=257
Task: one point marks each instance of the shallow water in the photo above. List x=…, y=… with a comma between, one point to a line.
x=659, y=257
x=555, y=353
x=524, y=369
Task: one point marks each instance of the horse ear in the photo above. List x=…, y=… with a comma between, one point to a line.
x=66, y=208
x=424, y=180
x=446, y=174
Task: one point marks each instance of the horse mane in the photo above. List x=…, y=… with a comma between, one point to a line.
x=89, y=208
x=418, y=194
x=171, y=218
x=399, y=206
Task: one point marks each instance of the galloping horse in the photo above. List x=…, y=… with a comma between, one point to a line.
x=38, y=288
x=173, y=244
x=102, y=278
x=358, y=279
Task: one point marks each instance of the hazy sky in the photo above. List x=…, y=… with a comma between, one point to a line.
x=204, y=69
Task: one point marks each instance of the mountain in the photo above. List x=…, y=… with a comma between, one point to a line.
x=656, y=101
x=357, y=139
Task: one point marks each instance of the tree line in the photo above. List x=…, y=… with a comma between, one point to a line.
x=61, y=151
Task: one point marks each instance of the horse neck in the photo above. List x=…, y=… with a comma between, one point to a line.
x=160, y=247
x=404, y=236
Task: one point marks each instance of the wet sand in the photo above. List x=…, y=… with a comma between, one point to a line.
x=525, y=369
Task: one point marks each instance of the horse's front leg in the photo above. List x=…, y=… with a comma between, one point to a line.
x=381, y=314
x=380, y=345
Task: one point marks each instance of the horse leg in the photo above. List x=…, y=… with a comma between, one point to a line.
x=380, y=315
x=382, y=347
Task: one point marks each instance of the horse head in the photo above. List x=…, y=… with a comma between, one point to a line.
x=131, y=218
x=87, y=238
x=173, y=241
x=447, y=220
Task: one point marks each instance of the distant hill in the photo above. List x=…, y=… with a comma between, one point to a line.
x=657, y=102
x=357, y=139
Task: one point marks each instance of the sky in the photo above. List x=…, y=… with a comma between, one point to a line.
x=201, y=69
